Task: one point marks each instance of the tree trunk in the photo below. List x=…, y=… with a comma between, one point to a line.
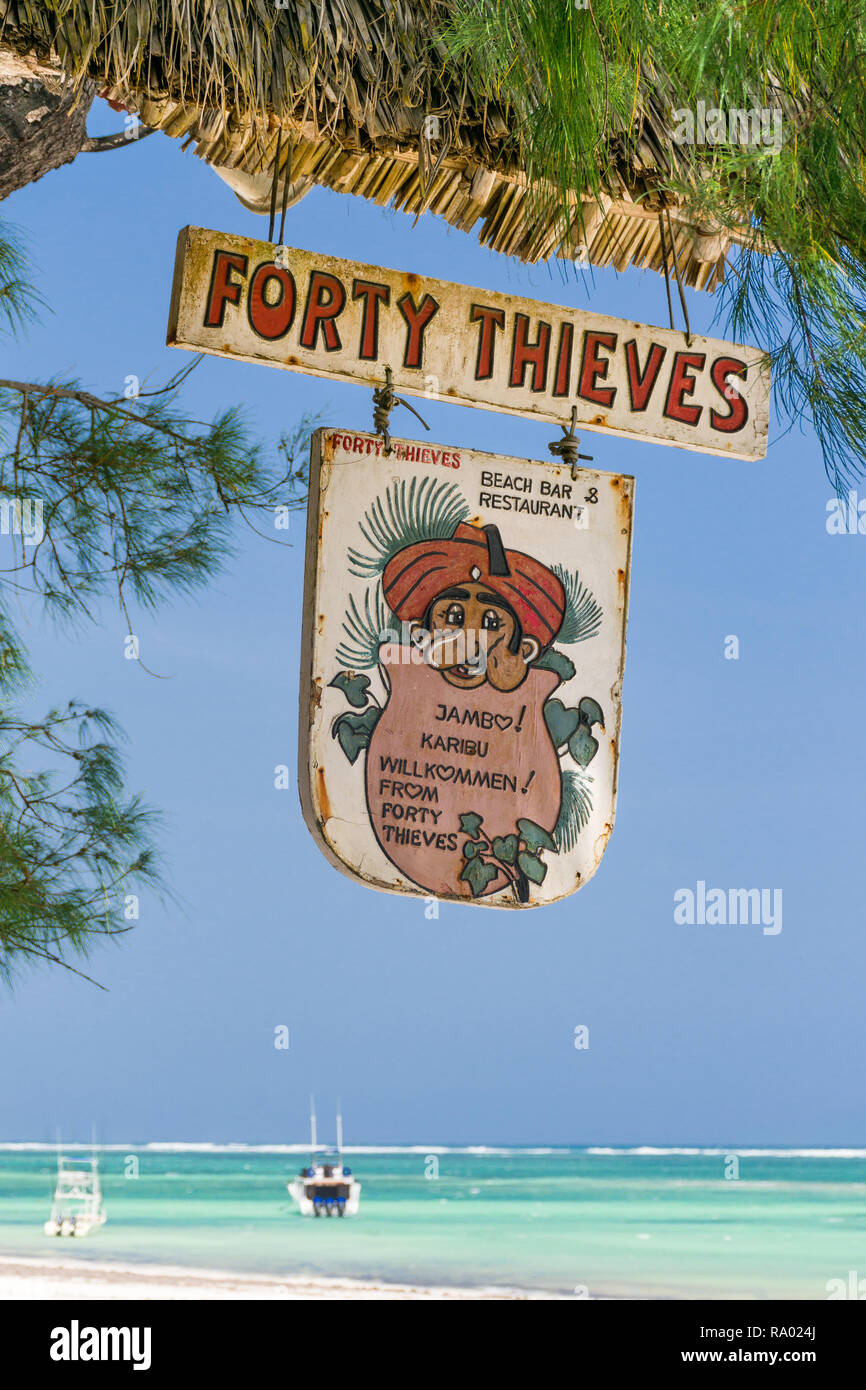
x=41, y=124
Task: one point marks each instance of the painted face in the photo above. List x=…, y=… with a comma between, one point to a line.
x=472, y=633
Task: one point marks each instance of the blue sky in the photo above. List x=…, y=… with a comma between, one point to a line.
x=742, y=773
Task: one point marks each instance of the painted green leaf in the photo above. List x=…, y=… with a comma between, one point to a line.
x=560, y=721
x=531, y=866
x=353, y=687
x=535, y=836
x=582, y=618
x=590, y=712
x=419, y=509
x=575, y=810
x=470, y=824
x=478, y=875
x=354, y=731
x=505, y=847
x=582, y=746
x=553, y=660
x=471, y=848
x=365, y=627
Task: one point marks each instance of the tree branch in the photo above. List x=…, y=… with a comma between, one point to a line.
x=91, y=402
x=95, y=144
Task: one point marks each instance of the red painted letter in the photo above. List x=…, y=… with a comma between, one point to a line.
x=683, y=384
x=523, y=353
x=416, y=321
x=372, y=294
x=739, y=413
x=321, y=312
x=271, y=320
x=490, y=320
x=594, y=368
x=640, y=387
x=222, y=290
x=562, y=384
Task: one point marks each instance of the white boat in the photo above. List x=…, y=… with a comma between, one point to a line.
x=325, y=1187
x=77, y=1207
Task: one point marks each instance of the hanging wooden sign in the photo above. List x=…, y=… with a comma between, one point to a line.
x=237, y=297
x=461, y=669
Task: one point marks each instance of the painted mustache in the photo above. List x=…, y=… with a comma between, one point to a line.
x=462, y=650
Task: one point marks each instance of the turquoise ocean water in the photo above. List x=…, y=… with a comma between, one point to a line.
x=616, y=1223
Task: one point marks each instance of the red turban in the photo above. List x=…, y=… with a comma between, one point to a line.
x=415, y=576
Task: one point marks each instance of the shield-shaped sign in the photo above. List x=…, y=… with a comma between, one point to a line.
x=461, y=672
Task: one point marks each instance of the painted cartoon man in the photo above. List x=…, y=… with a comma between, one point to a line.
x=490, y=612
x=463, y=732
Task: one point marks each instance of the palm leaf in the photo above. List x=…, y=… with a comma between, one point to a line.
x=366, y=630
x=410, y=511
x=583, y=613
x=575, y=810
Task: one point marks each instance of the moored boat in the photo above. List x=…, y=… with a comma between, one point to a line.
x=77, y=1207
x=325, y=1187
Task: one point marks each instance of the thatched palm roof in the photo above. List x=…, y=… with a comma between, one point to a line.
x=351, y=85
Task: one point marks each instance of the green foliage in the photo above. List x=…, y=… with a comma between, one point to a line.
x=366, y=629
x=536, y=836
x=561, y=722
x=571, y=727
x=553, y=660
x=575, y=809
x=353, y=687
x=582, y=746
x=18, y=299
x=354, y=731
x=478, y=873
x=530, y=864
x=516, y=856
x=73, y=845
x=470, y=824
x=583, y=613
x=590, y=711
x=409, y=511
x=130, y=498
x=505, y=847
x=591, y=88
x=135, y=498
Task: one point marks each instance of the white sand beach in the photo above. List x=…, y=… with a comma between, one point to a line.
x=45, y=1280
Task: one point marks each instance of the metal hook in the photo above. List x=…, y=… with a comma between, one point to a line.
x=384, y=401
x=568, y=447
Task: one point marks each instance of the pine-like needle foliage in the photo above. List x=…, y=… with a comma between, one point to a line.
x=583, y=613
x=610, y=78
x=99, y=497
x=75, y=848
x=575, y=809
x=366, y=629
x=407, y=512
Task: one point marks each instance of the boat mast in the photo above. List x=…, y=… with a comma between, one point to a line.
x=339, y=1134
x=312, y=1131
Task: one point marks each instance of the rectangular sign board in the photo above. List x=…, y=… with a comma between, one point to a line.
x=307, y=312
x=461, y=668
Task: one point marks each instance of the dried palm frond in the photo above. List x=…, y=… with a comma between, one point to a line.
x=554, y=125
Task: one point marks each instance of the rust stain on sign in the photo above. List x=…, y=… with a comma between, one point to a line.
x=464, y=634
x=322, y=795
x=303, y=311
